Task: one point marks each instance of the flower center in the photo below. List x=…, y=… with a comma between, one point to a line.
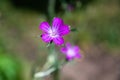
x=53, y=33
x=71, y=52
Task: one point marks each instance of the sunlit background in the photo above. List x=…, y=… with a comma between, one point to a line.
x=97, y=24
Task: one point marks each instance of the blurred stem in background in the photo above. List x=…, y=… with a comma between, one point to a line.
x=51, y=9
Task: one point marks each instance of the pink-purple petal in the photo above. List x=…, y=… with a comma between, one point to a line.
x=69, y=57
x=57, y=22
x=63, y=50
x=63, y=30
x=78, y=55
x=46, y=38
x=76, y=49
x=44, y=26
x=68, y=45
x=58, y=40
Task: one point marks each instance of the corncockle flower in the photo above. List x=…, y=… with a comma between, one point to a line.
x=71, y=51
x=55, y=32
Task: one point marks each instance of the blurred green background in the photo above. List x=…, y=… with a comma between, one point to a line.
x=21, y=49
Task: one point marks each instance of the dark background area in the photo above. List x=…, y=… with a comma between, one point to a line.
x=41, y=5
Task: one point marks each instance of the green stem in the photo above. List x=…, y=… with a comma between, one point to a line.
x=51, y=9
x=56, y=74
x=51, y=66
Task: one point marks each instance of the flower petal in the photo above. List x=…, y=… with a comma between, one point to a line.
x=69, y=57
x=63, y=50
x=58, y=40
x=63, y=30
x=76, y=49
x=68, y=45
x=57, y=22
x=44, y=26
x=46, y=38
x=78, y=55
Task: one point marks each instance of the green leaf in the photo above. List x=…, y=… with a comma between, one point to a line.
x=73, y=29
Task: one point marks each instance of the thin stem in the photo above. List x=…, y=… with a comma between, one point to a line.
x=45, y=73
x=51, y=9
x=56, y=74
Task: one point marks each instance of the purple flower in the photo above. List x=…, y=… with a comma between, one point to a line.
x=55, y=32
x=71, y=51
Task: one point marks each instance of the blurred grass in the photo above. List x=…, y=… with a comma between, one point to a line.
x=9, y=68
x=98, y=23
